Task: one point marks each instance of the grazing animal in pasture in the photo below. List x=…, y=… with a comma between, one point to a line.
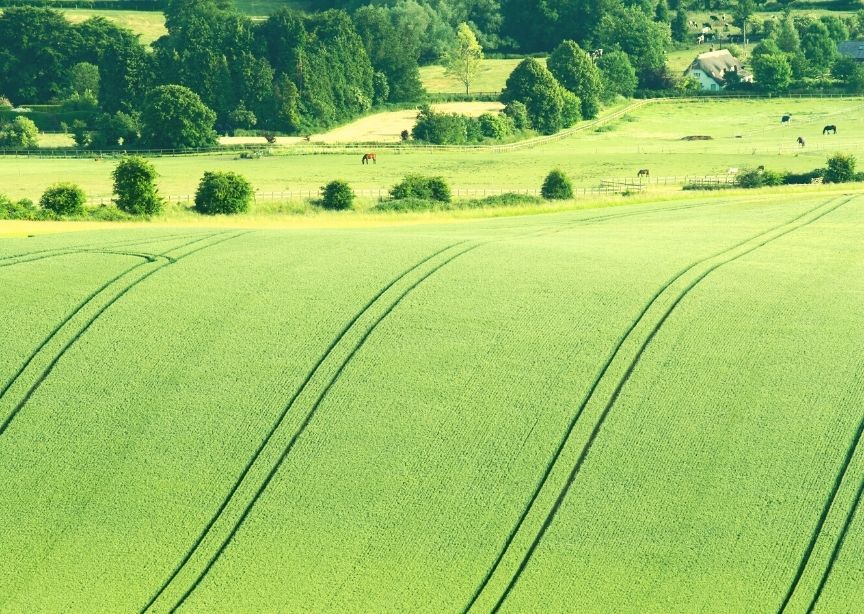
x=832, y=129
x=785, y=119
x=817, y=180
x=700, y=40
x=801, y=141
x=370, y=157
x=760, y=168
x=713, y=18
x=307, y=138
x=643, y=173
x=733, y=170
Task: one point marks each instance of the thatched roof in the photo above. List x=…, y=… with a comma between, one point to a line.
x=716, y=64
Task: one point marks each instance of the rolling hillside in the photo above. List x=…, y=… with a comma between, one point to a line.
x=649, y=408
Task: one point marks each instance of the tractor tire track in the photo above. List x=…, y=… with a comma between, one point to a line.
x=820, y=524
x=278, y=427
x=65, y=251
x=837, y=548
x=630, y=335
x=75, y=335
x=155, y=598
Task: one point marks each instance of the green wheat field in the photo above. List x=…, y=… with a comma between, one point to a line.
x=653, y=408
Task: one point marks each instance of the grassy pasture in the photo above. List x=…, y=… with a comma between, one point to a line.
x=361, y=416
x=491, y=78
x=650, y=137
x=149, y=24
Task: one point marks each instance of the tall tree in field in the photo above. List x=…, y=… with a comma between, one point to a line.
x=36, y=51
x=644, y=40
x=549, y=105
x=394, y=57
x=575, y=70
x=787, y=38
x=818, y=47
x=617, y=75
x=772, y=72
x=174, y=117
x=680, y=29
x=464, y=60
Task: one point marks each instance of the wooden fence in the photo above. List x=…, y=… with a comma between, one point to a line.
x=614, y=185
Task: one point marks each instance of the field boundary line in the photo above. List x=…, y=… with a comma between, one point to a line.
x=789, y=226
x=319, y=365
x=835, y=553
x=830, y=501
x=86, y=326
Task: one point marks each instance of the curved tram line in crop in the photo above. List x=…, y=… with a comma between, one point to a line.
x=820, y=524
x=40, y=377
x=53, y=252
x=279, y=429
x=721, y=258
x=835, y=553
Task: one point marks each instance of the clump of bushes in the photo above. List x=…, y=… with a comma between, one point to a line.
x=20, y=133
x=419, y=204
x=23, y=209
x=840, y=168
x=423, y=188
x=337, y=195
x=63, y=199
x=455, y=129
x=557, y=186
x=223, y=193
x=758, y=178
x=135, y=187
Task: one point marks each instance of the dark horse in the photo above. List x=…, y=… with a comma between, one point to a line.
x=832, y=129
x=643, y=173
x=801, y=141
x=370, y=157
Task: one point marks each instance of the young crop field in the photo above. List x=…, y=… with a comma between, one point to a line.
x=657, y=136
x=651, y=407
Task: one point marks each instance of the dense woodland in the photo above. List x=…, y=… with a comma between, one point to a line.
x=218, y=70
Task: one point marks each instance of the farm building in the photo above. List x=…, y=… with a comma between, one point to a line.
x=710, y=69
x=852, y=49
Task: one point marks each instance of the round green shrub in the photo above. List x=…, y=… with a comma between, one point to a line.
x=135, y=187
x=63, y=199
x=840, y=169
x=557, y=186
x=223, y=192
x=418, y=186
x=337, y=195
x=496, y=125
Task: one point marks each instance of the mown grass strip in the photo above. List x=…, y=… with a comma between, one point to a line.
x=41, y=377
x=777, y=232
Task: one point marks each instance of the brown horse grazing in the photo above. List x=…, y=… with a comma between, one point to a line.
x=801, y=141
x=370, y=157
x=643, y=173
x=832, y=129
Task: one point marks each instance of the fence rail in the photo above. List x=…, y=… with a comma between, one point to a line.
x=613, y=185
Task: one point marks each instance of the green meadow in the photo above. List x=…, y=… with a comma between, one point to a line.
x=743, y=133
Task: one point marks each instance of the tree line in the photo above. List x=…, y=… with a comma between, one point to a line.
x=291, y=73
